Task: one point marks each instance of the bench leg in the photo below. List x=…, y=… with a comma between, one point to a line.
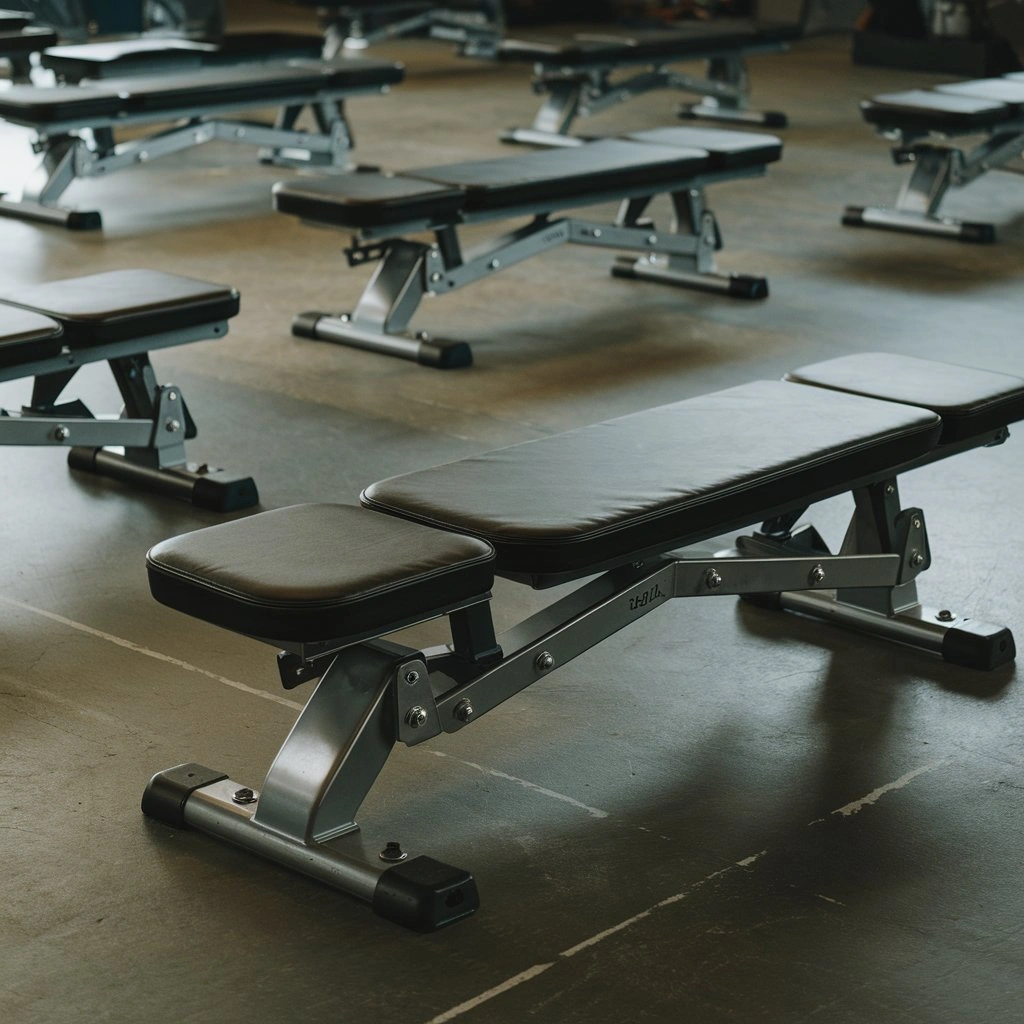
x=880, y=526
x=304, y=816
x=916, y=210
x=558, y=111
x=730, y=78
x=380, y=320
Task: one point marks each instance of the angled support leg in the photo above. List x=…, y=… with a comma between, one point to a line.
x=728, y=102
x=558, y=111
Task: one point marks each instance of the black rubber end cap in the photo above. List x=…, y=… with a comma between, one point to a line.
x=84, y=220
x=168, y=792
x=775, y=119
x=304, y=325
x=445, y=355
x=853, y=217
x=423, y=894
x=770, y=600
x=742, y=286
x=83, y=459
x=980, y=646
x=977, y=233
x=225, y=495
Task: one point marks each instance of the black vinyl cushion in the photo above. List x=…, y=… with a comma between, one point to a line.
x=924, y=110
x=11, y=21
x=123, y=56
x=27, y=337
x=553, y=177
x=1000, y=90
x=119, y=305
x=28, y=40
x=606, y=494
x=318, y=572
x=368, y=199
x=729, y=150
x=971, y=402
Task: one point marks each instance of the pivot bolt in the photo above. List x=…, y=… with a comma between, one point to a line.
x=392, y=853
x=916, y=523
x=712, y=579
x=416, y=717
x=412, y=677
x=652, y=239
x=544, y=662
x=495, y=264
x=172, y=396
x=244, y=796
x=464, y=710
x=945, y=615
x=435, y=277
x=890, y=489
x=597, y=232
x=61, y=433
x=916, y=558
x=172, y=426
x=818, y=574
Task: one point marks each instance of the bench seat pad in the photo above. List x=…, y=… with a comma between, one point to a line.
x=123, y=56
x=11, y=21
x=1001, y=90
x=27, y=40
x=919, y=109
x=729, y=150
x=607, y=494
x=258, y=84
x=318, y=572
x=971, y=402
x=27, y=337
x=120, y=305
x=692, y=41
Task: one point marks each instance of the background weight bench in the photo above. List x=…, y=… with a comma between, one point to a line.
x=634, y=169
x=917, y=120
x=619, y=499
x=49, y=331
x=577, y=75
x=75, y=125
x=18, y=43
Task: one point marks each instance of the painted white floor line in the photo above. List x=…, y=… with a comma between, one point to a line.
x=156, y=655
x=532, y=972
x=594, y=812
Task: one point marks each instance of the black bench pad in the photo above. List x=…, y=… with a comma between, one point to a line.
x=258, y=84
x=120, y=305
x=971, y=402
x=318, y=572
x=607, y=494
x=927, y=111
x=693, y=41
x=26, y=337
x=11, y=21
x=729, y=150
x=27, y=40
x=999, y=90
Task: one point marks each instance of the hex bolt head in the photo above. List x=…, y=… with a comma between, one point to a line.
x=712, y=579
x=435, y=277
x=61, y=433
x=392, y=853
x=945, y=615
x=495, y=264
x=916, y=558
x=544, y=662
x=416, y=717
x=412, y=677
x=916, y=523
x=890, y=489
x=817, y=574
x=244, y=796
x=652, y=239
x=172, y=396
x=464, y=710
x=598, y=232
x=172, y=426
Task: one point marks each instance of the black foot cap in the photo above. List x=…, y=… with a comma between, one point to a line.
x=168, y=792
x=304, y=325
x=445, y=355
x=977, y=232
x=853, y=217
x=743, y=287
x=775, y=119
x=978, y=645
x=84, y=220
x=423, y=894
x=225, y=495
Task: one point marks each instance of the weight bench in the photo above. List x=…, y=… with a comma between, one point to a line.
x=381, y=209
x=49, y=331
x=76, y=126
x=18, y=41
x=475, y=25
x=147, y=55
x=328, y=582
x=577, y=77
x=918, y=121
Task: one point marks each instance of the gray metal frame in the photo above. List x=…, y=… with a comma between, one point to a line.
x=935, y=168
x=352, y=27
x=152, y=428
x=372, y=695
x=87, y=147
x=591, y=89
x=684, y=256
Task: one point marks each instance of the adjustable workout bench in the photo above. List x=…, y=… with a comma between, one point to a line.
x=916, y=121
x=50, y=331
x=327, y=582
x=75, y=125
x=634, y=169
x=577, y=76
x=19, y=40
x=475, y=25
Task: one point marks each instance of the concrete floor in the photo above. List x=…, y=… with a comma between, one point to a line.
x=721, y=814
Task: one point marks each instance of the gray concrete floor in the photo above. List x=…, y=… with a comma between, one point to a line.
x=721, y=814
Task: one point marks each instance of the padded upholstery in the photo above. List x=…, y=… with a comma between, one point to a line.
x=27, y=40
x=366, y=199
x=970, y=401
x=729, y=150
x=606, y=494
x=548, y=178
x=124, y=56
x=693, y=41
x=11, y=21
x=26, y=337
x=939, y=111
x=1000, y=90
x=318, y=572
x=205, y=88
x=123, y=304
